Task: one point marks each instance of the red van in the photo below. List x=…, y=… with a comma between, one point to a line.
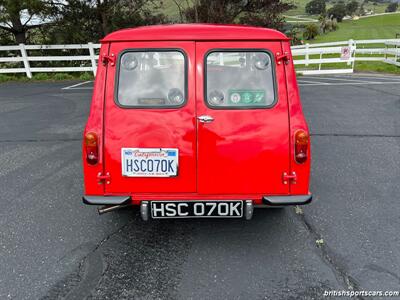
x=193, y=121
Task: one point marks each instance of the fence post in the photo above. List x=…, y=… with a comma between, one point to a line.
x=386, y=51
x=25, y=60
x=307, y=57
x=320, y=61
x=92, y=58
x=351, y=42
x=354, y=56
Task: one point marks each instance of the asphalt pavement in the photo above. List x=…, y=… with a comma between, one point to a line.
x=54, y=247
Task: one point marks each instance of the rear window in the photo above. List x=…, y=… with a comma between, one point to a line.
x=239, y=79
x=152, y=79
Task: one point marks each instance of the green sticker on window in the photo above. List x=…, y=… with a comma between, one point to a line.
x=246, y=97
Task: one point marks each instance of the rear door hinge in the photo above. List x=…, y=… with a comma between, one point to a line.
x=105, y=59
x=103, y=178
x=286, y=178
x=285, y=57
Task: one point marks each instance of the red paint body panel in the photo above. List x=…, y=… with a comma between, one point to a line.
x=151, y=128
x=247, y=150
x=194, y=32
x=297, y=122
x=95, y=124
x=241, y=155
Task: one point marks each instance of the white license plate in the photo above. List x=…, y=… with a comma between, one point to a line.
x=196, y=209
x=149, y=162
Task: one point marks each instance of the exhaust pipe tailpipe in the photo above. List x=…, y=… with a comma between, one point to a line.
x=249, y=208
x=144, y=210
x=108, y=208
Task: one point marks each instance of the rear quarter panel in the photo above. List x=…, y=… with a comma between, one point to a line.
x=297, y=121
x=95, y=124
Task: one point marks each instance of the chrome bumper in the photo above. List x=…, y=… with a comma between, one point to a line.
x=121, y=201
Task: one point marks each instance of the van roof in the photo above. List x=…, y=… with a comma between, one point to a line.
x=194, y=32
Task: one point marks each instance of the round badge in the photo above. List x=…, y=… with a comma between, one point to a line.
x=235, y=98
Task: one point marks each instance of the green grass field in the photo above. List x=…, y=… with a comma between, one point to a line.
x=378, y=27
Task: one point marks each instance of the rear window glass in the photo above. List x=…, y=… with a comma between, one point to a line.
x=151, y=79
x=239, y=79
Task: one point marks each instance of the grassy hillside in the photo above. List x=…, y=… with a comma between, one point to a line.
x=377, y=27
x=301, y=4
x=300, y=8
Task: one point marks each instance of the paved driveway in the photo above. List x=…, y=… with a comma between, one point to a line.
x=51, y=246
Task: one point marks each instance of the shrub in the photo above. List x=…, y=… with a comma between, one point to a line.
x=86, y=76
x=328, y=25
x=5, y=77
x=311, y=31
x=335, y=25
x=392, y=7
x=63, y=76
x=40, y=76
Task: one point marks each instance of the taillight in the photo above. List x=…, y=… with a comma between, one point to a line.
x=92, y=148
x=301, y=140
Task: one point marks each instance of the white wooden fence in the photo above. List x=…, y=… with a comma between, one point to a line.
x=308, y=58
x=343, y=55
x=392, y=53
x=19, y=54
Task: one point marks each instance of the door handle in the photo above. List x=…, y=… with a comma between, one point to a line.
x=205, y=119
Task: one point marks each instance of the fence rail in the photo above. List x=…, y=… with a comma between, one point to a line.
x=19, y=54
x=29, y=59
x=343, y=55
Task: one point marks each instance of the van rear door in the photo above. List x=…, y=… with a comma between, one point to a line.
x=149, y=127
x=242, y=117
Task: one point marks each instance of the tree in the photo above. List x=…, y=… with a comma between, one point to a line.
x=351, y=7
x=267, y=13
x=68, y=30
x=316, y=7
x=97, y=18
x=361, y=11
x=116, y=14
x=338, y=11
x=392, y=7
x=18, y=17
x=311, y=31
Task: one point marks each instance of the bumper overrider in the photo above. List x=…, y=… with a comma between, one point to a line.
x=116, y=202
x=287, y=200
